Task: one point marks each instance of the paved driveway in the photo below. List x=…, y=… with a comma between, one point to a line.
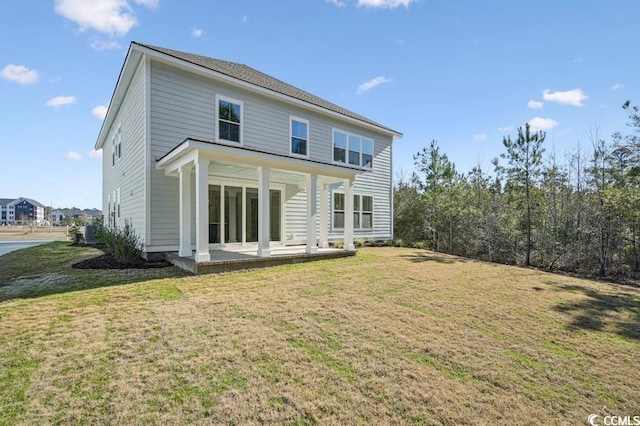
x=8, y=246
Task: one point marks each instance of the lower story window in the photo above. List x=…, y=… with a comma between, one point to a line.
x=362, y=211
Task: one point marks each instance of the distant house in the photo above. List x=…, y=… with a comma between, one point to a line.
x=21, y=211
x=205, y=151
x=56, y=216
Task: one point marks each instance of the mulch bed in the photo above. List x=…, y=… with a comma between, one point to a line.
x=108, y=261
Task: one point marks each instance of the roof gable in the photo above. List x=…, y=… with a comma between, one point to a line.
x=19, y=200
x=240, y=73
x=254, y=77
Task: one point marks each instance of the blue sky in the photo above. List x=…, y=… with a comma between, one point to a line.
x=462, y=72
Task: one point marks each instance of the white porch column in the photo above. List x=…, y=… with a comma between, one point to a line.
x=185, y=211
x=202, y=210
x=263, y=212
x=324, y=215
x=312, y=212
x=348, y=215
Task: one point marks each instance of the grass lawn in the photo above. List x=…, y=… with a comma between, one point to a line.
x=389, y=336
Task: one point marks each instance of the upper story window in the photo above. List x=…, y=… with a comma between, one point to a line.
x=352, y=149
x=299, y=137
x=229, y=119
x=116, y=145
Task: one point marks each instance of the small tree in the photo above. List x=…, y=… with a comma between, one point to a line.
x=524, y=165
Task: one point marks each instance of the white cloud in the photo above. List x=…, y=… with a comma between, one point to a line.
x=196, y=32
x=617, y=86
x=151, y=4
x=538, y=123
x=75, y=156
x=95, y=153
x=97, y=44
x=385, y=4
x=575, y=97
x=19, y=74
x=505, y=129
x=338, y=3
x=481, y=137
x=61, y=101
x=533, y=104
x=113, y=17
x=368, y=85
x=100, y=111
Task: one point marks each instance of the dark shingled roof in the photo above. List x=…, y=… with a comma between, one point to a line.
x=255, y=77
x=34, y=202
x=31, y=201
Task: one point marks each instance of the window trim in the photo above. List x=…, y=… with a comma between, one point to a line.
x=360, y=151
x=293, y=118
x=360, y=212
x=218, y=98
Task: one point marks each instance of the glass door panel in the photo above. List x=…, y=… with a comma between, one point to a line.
x=251, y=201
x=275, y=215
x=232, y=214
x=214, y=213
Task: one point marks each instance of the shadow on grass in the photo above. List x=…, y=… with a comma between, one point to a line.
x=47, y=270
x=419, y=257
x=620, y=310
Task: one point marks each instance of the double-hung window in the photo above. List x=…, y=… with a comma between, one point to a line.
x=339, y=147
x=366, y=212
x=367, y=152
x=229, y=119
x=352, y=149
x=362, y=211
x=299, y=137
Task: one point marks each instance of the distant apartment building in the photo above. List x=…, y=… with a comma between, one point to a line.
x=21, y=211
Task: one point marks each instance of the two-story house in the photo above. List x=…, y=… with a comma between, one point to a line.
x=200, y=153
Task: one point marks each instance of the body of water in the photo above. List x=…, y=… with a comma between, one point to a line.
x=8, y=246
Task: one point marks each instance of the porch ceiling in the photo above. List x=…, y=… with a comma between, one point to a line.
x=242, y=162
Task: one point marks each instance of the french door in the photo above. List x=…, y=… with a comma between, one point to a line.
x=233, y=214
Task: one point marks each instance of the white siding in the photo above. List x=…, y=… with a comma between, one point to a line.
x=182, y=105
x=295, y=210
x=128, y=173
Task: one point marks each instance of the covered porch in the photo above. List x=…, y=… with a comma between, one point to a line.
x=235, y=202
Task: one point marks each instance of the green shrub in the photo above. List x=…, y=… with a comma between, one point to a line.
x=338, y=244
x=360, y=242
x=399, y=242
x=123, y=242
x=74, y=234
x=419, y=245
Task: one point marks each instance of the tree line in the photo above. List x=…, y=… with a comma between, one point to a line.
x=579, y=214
